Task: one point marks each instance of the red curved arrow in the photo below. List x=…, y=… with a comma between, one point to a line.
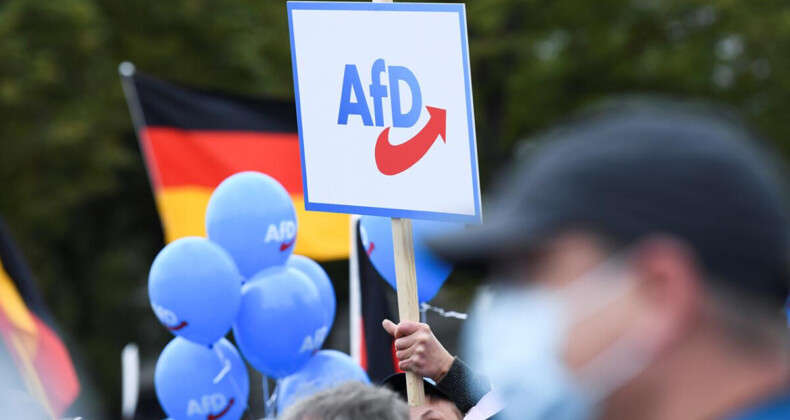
x=286, y=245
x=221, y=413
x=177, y=327
x=371, y=248
x=392, y=160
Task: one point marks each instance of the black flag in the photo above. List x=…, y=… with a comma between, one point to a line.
x=378, y=354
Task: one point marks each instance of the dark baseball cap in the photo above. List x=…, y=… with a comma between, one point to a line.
x=638, y=168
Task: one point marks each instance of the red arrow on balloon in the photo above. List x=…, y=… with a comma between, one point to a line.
x=394, y=159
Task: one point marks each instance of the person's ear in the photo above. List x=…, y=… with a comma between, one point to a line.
x=670, y=290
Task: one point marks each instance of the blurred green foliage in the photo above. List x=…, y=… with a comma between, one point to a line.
x=74, y=190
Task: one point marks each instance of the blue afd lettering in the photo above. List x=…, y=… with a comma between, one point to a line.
x=377, y=90
x=358, y=105
x=399, y=119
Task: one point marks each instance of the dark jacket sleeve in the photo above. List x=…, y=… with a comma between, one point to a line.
x=463, y=386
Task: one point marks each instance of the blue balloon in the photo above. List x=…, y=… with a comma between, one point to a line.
x=280, y=323
x=252, y=216
x=327, y=369
x=195, y=289
x=194, y=381
x=432, y=271
x=319, y=277
x=787, y=311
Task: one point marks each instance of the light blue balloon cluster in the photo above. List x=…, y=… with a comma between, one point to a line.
x=244, y=276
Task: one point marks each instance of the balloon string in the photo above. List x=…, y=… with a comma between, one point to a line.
x=424, y=307
x=273, y=399
x=266, y=407
x=269, y=400
x=223, y=372
x=226, y=366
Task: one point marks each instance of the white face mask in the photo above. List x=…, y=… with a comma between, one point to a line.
x=517, y=338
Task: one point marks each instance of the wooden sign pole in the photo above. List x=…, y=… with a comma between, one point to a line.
x=408, y=305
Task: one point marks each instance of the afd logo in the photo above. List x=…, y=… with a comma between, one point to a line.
x=313, y=343
x=284, y=233
x=168, y=318
x=369, y=245
x=391, y=159
x=213, y=406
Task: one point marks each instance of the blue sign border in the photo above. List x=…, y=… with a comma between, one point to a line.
x=380, y=211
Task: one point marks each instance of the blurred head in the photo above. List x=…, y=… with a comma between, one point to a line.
x=435, y=408
x=350, y=401
x=635, y=246
x=437, y=405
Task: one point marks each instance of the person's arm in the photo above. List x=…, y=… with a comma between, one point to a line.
x=463, y=385
x=419, y=351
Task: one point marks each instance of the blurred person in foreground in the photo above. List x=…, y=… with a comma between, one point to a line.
x=350, y=401
x=640, y=262
x=453, y=390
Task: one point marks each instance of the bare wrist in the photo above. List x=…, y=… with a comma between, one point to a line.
x=445, y=367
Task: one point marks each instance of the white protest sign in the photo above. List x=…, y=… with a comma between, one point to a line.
x=384, y=104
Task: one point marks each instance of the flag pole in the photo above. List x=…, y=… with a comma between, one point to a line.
x=130, y=380
x=126, y=71
x=354, y=293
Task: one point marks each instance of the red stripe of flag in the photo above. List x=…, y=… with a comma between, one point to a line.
x=206, y=158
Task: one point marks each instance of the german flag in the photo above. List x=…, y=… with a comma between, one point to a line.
x=37, y=361
x=193, y=139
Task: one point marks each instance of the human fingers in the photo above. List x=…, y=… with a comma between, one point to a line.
x=389, y=326
x=404, y=343
x=406, y=328
x=418, y=350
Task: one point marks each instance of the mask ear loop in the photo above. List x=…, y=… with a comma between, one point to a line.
x=625, y=358
x=597, y=288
